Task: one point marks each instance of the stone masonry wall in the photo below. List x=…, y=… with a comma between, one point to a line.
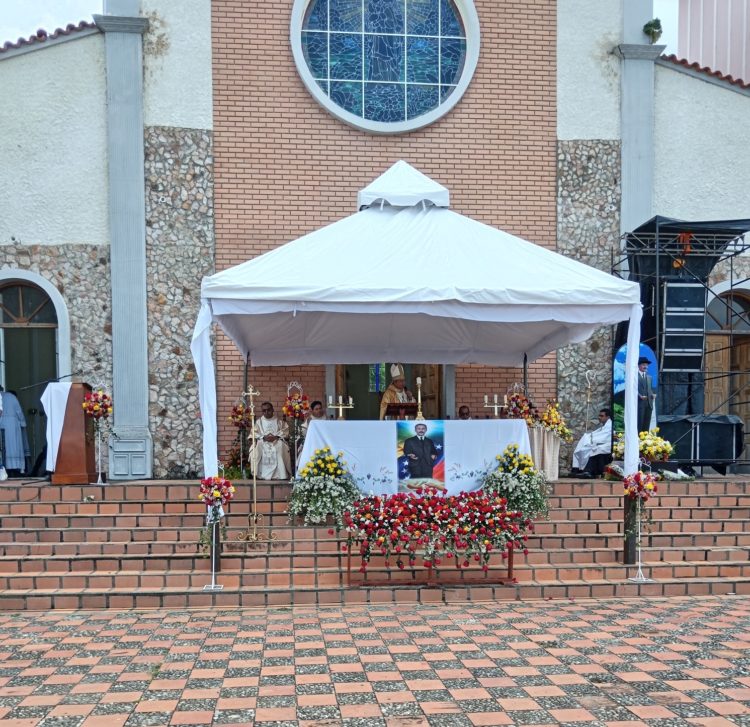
x=179, y=252
x=588, y=229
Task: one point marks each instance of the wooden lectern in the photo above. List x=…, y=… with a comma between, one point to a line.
x=75, y=455
x=402, y=410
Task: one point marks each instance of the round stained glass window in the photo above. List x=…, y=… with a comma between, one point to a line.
x=387, y=66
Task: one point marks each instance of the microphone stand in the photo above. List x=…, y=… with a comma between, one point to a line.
x=50, y=381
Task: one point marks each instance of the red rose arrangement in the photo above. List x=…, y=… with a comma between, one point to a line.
x=520, y=407
x=459, y=528
x=296, y=406
x=216, y=491
x=240, y=416
x=97, y=405
x=640, y=486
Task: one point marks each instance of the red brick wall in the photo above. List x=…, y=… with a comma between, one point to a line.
x=284, y=166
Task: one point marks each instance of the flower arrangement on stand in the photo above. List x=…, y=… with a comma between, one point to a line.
x=651, y=447
x=323, y=489
x=552, y=420
x=520, y=407
x=434, y=527
x=238, y=454
x=215, y=493
x=639, y=488
x=295, y=409
x=97, y=405
x=517, y=481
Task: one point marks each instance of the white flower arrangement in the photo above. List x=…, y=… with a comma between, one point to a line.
x=517, y=480
x=325, y=488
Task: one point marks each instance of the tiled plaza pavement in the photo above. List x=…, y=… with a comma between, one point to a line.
x=629, y=662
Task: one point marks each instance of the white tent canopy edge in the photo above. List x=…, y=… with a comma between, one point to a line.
x=413, y=282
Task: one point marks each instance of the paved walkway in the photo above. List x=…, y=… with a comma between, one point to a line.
x=630, y=662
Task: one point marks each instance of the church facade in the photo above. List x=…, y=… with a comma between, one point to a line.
x=161, y=144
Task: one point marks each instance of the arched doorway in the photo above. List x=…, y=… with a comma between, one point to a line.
x=727, y=368
x=28, y=351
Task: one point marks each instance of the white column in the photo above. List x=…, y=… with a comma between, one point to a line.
x=131, y=447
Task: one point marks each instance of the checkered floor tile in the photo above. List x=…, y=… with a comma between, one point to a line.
x=629, y=662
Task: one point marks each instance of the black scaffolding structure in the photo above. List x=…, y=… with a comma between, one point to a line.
x=672, y=260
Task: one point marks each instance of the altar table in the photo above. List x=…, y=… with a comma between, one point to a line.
x=373, y=450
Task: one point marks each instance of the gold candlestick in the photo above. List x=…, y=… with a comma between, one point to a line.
x=251, y=535
x=420, y=416
x=340, y=406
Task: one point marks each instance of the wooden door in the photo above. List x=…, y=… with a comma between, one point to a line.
x=717, y=377
x=432, y=387
x=740, y=403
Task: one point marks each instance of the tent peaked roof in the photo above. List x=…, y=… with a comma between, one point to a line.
x=430, y=258
x=403, y=186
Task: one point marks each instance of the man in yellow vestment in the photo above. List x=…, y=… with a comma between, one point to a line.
x=396, y=393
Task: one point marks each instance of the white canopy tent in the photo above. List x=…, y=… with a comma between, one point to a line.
x=406, y=279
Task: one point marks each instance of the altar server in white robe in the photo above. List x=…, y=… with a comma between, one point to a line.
x=594, y=448
x=270, y=458
x=13, y=425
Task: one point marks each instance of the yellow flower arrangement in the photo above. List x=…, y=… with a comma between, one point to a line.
x=650, y=446
x=511, y=460
x=552, y=419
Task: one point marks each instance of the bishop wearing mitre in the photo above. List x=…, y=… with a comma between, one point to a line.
x=396, y=393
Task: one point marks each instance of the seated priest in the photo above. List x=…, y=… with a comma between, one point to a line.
x=464, y=412
x=396, y=393
x=270, y=457
x=594, y=450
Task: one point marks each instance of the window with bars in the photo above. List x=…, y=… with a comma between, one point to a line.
x=25, y=305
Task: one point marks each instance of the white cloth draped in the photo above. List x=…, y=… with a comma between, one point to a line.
x=592, y=443
x=54, y=401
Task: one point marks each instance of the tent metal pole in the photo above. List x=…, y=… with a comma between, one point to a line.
x=525, y=375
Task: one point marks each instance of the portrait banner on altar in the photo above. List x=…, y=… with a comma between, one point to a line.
x=421, y=454
x=374, y=451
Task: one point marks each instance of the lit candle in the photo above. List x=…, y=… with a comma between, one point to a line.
x=419, y=381
x=505, y=400
x=495, y=398
x=330, y=400
x=341, y=399
x=485, y=398
x=350, y=401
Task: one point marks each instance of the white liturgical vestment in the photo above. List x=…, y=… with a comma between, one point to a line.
x=271, y=459
x=597, y=442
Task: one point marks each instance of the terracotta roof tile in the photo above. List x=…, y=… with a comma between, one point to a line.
x=708, y=71
x=42, y=35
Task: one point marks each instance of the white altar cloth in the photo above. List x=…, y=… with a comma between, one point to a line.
x=370, y=449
